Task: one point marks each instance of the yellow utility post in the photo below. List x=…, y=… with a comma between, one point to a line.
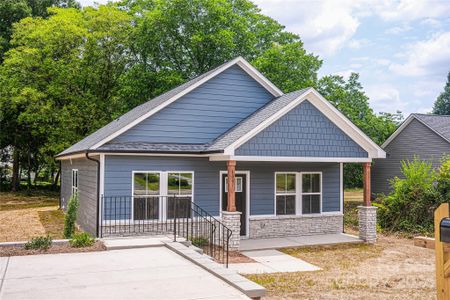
x=442, y=257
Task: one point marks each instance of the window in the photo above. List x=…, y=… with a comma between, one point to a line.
x=311, y=193
x=146, y=190
x=74, y=181
x=237, y=184
x=179, y=186
x=285, y=193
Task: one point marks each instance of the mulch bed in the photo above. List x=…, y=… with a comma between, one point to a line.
x=20, y=251
x=235, y=257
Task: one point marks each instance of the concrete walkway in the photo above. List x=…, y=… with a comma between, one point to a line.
x=297, y=241
x=272, y=261
x=144, y=273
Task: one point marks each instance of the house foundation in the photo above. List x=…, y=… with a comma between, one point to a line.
x=281, y=226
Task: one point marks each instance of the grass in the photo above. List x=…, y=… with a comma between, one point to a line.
x=24, y=216
x=352, y=199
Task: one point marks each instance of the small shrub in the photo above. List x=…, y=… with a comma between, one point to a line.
x=71, y=216
x=82, y=239
x=39, y=243
x=199, y=241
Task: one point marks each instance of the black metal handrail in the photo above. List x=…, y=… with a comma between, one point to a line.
x=155, y=214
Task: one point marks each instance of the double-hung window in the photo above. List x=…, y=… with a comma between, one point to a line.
x=74, y=181
x=179, y=189
x=311, y=193
x=285, y=193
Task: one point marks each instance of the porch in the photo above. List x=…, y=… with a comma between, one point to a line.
x=297, y=241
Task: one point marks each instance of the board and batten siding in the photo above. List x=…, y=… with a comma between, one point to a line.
x=118, y=179
x=415, y=139
x=204, y=113
x=302, y=132
x=87, y=191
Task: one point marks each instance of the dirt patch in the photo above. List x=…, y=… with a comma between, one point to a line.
x=20, y=251
x=23, y=217
x=391, y=269
x=235, y=257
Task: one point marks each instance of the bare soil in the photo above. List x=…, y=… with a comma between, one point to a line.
x=235, y=257
x=23, y=217
x=393, y=268
x=20, y=251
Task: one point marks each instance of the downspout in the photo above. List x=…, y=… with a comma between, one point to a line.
x=60, y=190
x=98, y=193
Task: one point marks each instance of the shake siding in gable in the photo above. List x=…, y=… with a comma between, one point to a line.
x=415, y=139
x=302, y=132
x=118, y=179
x=205, y=113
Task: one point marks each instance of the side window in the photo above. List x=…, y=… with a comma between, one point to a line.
x=285, y=193
x=311, y=193
x=74, y=181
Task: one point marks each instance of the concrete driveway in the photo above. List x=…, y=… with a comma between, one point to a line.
x=146, y=273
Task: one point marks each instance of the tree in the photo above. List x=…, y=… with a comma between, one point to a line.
x=59, y=82
x=349, y=97
x=442, y=104
x=289, y=66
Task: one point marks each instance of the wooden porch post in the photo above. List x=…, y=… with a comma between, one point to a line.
x=231, y=170
x=366, y=182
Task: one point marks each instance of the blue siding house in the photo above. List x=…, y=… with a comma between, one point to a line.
x=283, y=154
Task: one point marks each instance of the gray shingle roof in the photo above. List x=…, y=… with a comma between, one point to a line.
x=130, y=116
x=438, y=123
x=150, y=147
x=254, y=120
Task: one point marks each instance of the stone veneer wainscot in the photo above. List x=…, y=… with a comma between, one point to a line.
x=279, y=226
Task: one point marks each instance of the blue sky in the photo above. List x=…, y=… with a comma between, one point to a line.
x=400, y=48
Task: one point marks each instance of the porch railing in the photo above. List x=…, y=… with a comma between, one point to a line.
x=174, y=215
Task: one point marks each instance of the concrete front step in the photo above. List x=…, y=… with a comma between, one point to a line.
x=133, y=242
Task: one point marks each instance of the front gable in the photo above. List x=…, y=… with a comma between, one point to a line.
x=302, y=132
x=204, y=113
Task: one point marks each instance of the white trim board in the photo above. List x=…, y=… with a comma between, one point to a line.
x=255, y=74
x=290, y=159
x=333, y=114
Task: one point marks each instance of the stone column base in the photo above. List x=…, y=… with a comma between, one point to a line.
x=233, y=221
x=367, y=216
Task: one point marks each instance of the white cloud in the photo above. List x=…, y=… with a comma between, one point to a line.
x=324, y=26
x=409, y=10
x=358, y=43
x=385, y=98
x=430, y=57
x=399, y=29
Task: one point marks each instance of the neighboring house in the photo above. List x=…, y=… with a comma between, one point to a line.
x=286, y=152
x=423, y=135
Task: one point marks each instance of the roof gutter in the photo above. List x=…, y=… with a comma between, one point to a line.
x=97, y=229
x=61, y=156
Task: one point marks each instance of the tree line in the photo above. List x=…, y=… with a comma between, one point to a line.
x=68, y=70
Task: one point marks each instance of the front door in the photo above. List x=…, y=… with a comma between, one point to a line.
x=241, y=198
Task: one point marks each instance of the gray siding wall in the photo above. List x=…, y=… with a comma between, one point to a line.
x=305, y=132
x=203, y=114
x=118, y=177
x=87, y=191
x=415, y=139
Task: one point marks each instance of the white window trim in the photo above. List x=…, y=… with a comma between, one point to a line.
x=285, y=194
x=235, y=184
x=298, y=194
x=74, y=189
x=300, y=200
x=163, y=191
